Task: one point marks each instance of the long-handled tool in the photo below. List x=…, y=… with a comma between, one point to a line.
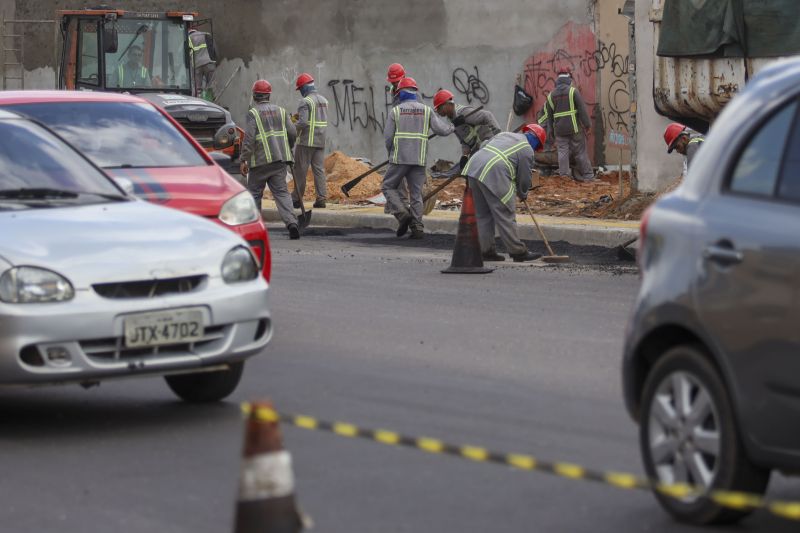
x=305, y=216
x=552, y=258
x=347, y=187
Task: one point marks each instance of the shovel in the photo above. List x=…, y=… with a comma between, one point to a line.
x=305, y=216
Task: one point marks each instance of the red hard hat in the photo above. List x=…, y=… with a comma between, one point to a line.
x=441, y=97
x=407, y=83
x=538, y=131
x=303, y=79
x=671, y=135
x=396, y=73
x=564, y=69
x=262, y=87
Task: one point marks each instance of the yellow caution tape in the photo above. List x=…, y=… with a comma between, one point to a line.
x=620, y=480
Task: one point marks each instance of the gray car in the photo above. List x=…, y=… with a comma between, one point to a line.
x=711, y=369
x=96, y=285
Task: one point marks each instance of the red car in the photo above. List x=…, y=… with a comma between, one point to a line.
x=131, y=138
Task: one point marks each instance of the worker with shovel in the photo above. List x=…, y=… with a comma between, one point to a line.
x=266, y=151
x=498, y=173
x=406, y=134
x=472, y=128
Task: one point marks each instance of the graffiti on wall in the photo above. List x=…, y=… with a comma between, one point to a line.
x=576, y=47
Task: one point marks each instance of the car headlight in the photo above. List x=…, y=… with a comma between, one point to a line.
x=239, y=265
x=241, y=209
x=23, y=285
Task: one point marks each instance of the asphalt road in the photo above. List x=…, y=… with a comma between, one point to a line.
x=368, y=331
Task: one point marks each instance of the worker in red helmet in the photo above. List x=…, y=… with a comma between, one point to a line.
x=567, y=117
x=406, y=134
x=395, y=73
x=312, y=122
x=266, y=151
x=683, y=140
x=472, y=130
x=498, y=174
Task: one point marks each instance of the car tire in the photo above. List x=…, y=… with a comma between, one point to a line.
x=703, y=430
x=204, y=387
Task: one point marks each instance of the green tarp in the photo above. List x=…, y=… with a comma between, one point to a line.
x=730, y=28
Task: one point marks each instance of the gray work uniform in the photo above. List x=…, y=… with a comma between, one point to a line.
x=695, y=142
x=312, y=124
x=268, y=138
x=406, y=134
x=129, y=76
x=479, y=127
x=567, y=117
x=203, y=65
x=403, y=185
x=498, y=173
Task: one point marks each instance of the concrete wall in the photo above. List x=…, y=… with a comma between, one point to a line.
x=656, y=168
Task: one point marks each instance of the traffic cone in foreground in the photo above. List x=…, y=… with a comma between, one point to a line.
x=467, y=257
x=266, y=484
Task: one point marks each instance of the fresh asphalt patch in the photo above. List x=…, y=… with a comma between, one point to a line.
x=581, y=257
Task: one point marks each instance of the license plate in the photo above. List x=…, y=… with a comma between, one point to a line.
x=163, y=327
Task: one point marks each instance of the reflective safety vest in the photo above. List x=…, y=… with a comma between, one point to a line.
x=500, y=156
x=196, y=48
x=573, y=112
x=545, y=114
x=313, y=123
x=413, y=136
x=472, y=131
x=697, y=140
x=264, y=136
x=121, y=75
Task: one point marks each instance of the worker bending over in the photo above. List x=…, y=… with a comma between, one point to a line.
x=683, y=140
x=499, y=173
x=472, y=130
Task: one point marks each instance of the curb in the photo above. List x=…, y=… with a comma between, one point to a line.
x=575, y=234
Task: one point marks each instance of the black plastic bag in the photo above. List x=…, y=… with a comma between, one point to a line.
x=522, y=101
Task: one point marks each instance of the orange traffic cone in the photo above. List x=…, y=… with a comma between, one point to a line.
x=467, y=257
x=266, y=484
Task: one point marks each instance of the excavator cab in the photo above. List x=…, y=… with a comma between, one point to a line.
x=146, y=54
x=111, y=50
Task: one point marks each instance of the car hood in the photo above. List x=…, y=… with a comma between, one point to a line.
x=197, y=190
x=110, y=242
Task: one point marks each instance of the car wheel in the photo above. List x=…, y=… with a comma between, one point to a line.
x=688, y=435
x=206, y=386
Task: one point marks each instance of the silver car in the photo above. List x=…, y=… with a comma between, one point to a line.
x=96, y=285
x=711, y=370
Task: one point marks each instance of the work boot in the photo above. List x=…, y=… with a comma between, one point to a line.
x=405, y=221
x=492, y=255
x=527, y=256
x=319, y=204
x=296, y=204
x=417, y=233
x=294, y=231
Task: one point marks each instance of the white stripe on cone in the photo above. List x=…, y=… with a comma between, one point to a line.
x=266, y=476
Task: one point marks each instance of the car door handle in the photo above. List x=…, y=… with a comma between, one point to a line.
x=723, y=253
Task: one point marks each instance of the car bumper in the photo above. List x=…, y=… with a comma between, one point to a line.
x=90, y=330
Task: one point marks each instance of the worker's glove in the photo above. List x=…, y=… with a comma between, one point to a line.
x=295, y=118
x=522, y=196
x=459, y=120
x=462, y=162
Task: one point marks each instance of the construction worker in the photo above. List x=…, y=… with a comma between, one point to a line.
x=471, y=130
x=201, y=49
x=311, y=123
x=266, y=151
x=394, y=74
x=406, y=134
x=132, y=73
x=683, y=140
x=568, y=119
x=498, y=173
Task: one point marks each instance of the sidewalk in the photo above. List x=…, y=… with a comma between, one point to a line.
x=577, y=231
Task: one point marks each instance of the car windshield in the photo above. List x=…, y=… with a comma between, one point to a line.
x=118, y=134
x=151, y=54
x=36, y=165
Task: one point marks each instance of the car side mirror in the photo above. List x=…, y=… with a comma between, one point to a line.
x=220, y=158
x=125, y=184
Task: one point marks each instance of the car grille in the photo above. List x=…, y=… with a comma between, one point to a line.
x=113, y=348
x=149, y=288
x=203, y=132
